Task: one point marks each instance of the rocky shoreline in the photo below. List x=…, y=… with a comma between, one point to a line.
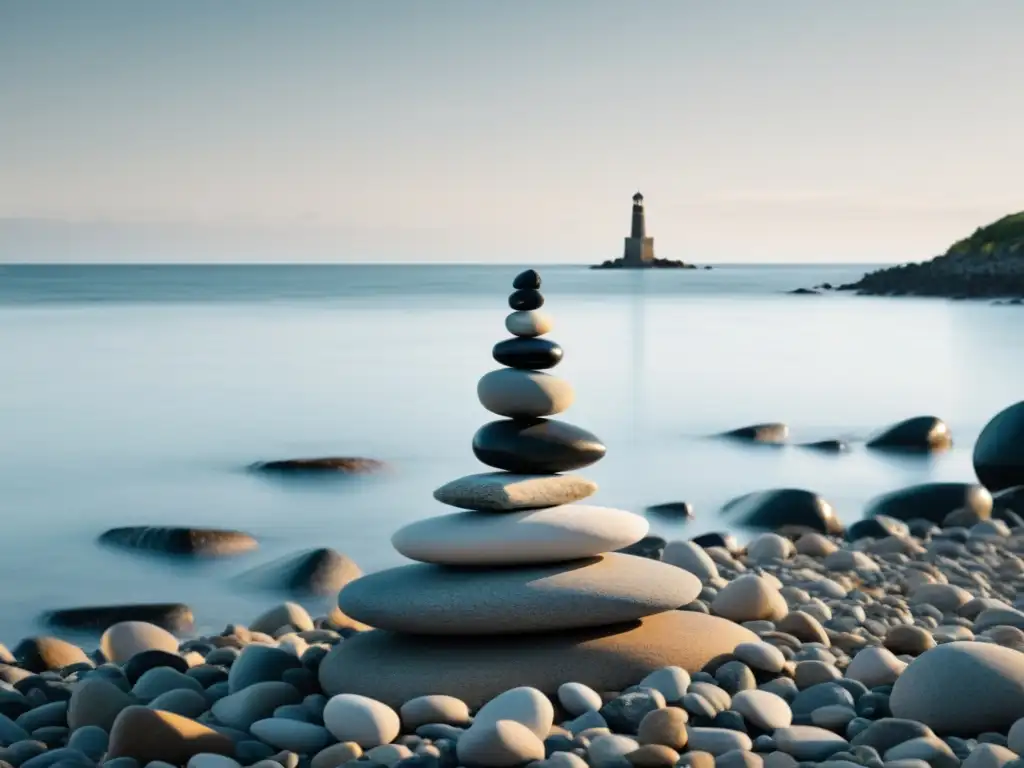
x=538, y=631
x=987, y=265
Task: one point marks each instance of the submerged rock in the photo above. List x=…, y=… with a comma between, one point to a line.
x=827, y=446
x=175, y=617
x=769, y=433
x=651, y=547
x=999, y=451
x=312, y=572
x=180, y=541
x=675, y=510
x=786, y=511
x=337, y=465
x=920, y=434
x=932, y=502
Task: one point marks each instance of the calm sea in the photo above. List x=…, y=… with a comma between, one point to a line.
x=138, y=395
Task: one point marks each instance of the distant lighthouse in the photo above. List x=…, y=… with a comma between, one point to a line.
x=639, y=249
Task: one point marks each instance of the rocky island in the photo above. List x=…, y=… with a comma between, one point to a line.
x=987, y=265
x=638, y=251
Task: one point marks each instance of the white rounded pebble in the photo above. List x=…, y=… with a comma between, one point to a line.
x=762, y=656
x=125, y=639
x=749, y=598
x=520, y=394
x=365, y=721
x=286, y=614
x=528, y=323
x=577, y=698
x=768, y=547
x=717, y=741
x=524, y=705
x=764, y=709
x=875, y=666
x=671, y=682
x=692, y=558
x=434, y=708
x=501, y=744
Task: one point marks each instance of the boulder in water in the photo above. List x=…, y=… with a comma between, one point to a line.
x=787, y=511
x=932, y=502
x=311, y=572
x=769, y=433
x=672, y=510
x=330, y=465
x=921, y=434
x=180, y=541
x=999, y=451
x=651, y=547
x=174, y=617
x=877, y=527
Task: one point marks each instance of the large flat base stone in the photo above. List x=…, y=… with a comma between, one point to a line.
x=394, y=668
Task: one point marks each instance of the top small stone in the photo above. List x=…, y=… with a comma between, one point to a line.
x=527, y=279
x=526, y=299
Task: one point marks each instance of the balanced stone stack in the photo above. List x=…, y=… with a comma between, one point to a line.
x=523, y=586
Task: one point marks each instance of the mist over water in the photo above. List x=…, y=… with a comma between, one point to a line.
x=137, y=395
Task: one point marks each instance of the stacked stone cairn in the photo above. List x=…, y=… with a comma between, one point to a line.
x=523, y=586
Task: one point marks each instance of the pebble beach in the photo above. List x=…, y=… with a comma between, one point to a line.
x=535, y=629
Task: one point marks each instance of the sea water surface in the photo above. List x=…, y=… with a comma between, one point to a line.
x=135, y=395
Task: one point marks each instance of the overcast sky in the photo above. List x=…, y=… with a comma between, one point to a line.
x=479, y=130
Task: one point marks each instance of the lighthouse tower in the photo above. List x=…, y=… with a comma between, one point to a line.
x=639, y=249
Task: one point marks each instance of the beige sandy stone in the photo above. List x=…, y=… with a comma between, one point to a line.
x=395, y=668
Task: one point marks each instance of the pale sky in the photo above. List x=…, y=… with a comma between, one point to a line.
x=506, y=130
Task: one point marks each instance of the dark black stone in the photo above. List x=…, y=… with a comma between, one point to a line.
x=672, y=510
x=827, y=446
x=920, y=434
x=526, y=299
x=873, y=706
x=931, y=501
x=528, y=354
x=208, y=674
x=717, y=539
x=528, y=279
x=174, y=617
x=536, y=446
x=999, y=451
x=876, y=528
x=144, y=661
x=730, y=720
x=651, y=547
x=786, y=511
x=770, y=433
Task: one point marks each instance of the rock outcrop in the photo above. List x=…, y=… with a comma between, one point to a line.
x=987, y=265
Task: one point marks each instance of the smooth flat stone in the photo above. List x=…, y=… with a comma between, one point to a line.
x=526, y=299
x=431, y=600
x=395, y=668
x=547, y=535
x=504, y=491
x=524, y=394
x=529, y=278
x=528, y=324
x=528, y=354
x=537, y=446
